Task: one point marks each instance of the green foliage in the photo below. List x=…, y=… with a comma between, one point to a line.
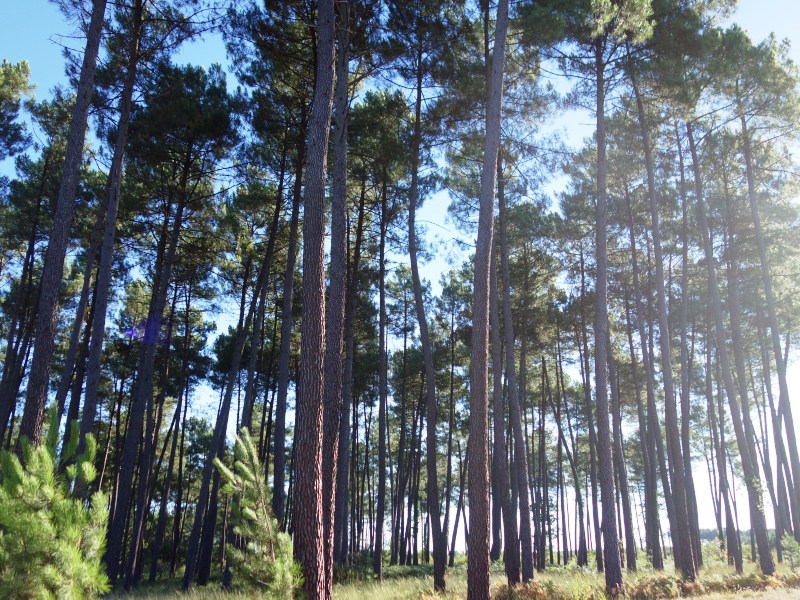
x=791, y=552
x=13, y=85
x=261, y=552
x=51, y=540
x=549, y=590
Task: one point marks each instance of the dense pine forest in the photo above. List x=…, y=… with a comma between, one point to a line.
x=231, y=358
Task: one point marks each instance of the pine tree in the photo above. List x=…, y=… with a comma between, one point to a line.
x=51, y=543
x=261, y=551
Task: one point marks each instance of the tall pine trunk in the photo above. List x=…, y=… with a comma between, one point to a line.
x=784, y=405
x=279, y=467
x=104, y=270
x=515, y=414
x=478, y=461
x=681, y=536
x=53, y=269
x=309, y=543
x=751, y=478
x=432, y=487
x=334, y=394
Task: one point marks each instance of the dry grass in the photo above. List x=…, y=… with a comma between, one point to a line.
x=717, y=582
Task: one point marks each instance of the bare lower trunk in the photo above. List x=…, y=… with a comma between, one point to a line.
x=681, y=536
x=334, y=394
x=613, y=570
x=784, y=405
x=279, y=467
x=504, y=512
x=751, y=478
x=309, y=548
x=478, y=558
x=515, y=414
x=377, y=559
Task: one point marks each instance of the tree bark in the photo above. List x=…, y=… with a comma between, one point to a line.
x=279, y=466
x=377, y=560
x=104, y=269
x=309, y=534
x=478, y=558
x=515, y=414
x=681, y=536
x=53, y=269
x=334, y=394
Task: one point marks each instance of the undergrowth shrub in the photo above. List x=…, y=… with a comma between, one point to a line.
x=752, y=581
x=51, y=539
x=791, y=552
x=549, y=590
x=261, y=552
x=654, y=587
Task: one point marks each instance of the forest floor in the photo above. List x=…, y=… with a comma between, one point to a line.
x=570, y=583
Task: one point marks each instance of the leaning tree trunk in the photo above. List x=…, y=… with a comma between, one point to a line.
x=53, y=269
x=478, y=557
x=197, y=557
x=681, y=536
x=309, y=544
x=752, y=482
x=75, y=344
x=104, y=270
x=143, y=390
x=784, y=406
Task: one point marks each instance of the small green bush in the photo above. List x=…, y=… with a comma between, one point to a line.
x=262, y=553
x=51, y=540
x=791, y=552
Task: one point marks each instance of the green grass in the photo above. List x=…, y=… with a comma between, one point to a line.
x=416, y=583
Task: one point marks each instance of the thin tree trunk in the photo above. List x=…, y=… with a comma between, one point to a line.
x=377, y=561
x=53, y=269
x=104, y=269
x=686, y=358
x=340, y=523
x=143, y=389
x=751, y=477
x=279, y=468
x=515, y=415
x=619, y=461
x=432, y=490
x=785, y=408
x=681, y=536
x=504, y=509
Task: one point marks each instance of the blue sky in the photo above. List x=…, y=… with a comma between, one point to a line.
x=35, y=30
